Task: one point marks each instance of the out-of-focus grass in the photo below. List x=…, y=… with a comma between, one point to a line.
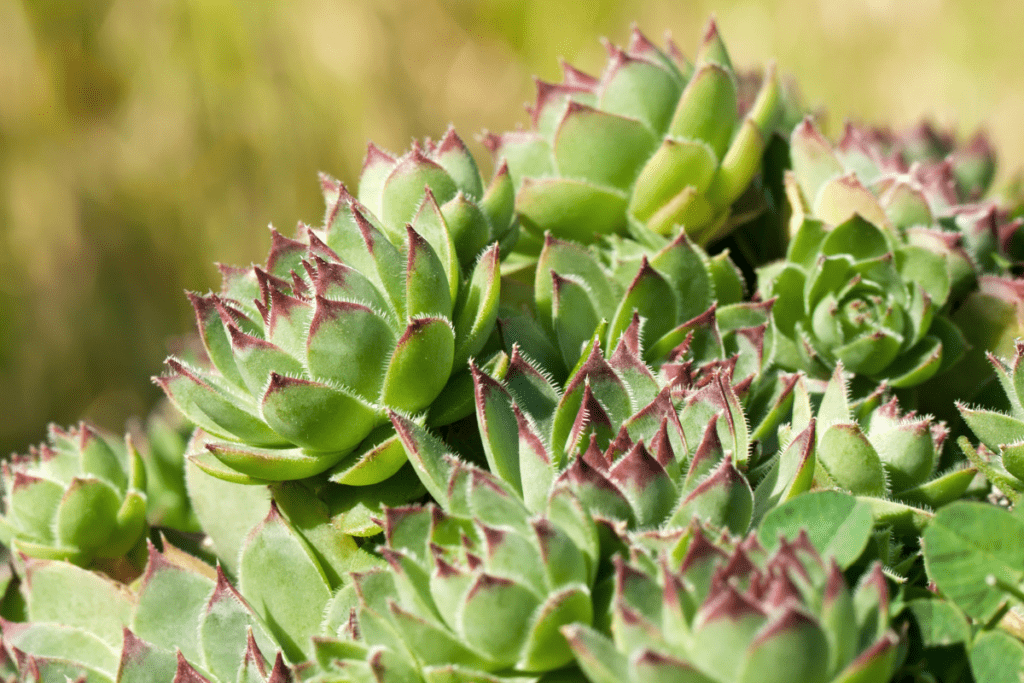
x=142, y=140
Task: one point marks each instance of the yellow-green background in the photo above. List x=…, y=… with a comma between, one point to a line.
x=142, y=140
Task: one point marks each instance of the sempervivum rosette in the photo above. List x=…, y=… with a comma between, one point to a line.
x=856, y=294
x=78, y=498
x=730, y=612
x=481, y=587
x=656, y=144
x=342, y=324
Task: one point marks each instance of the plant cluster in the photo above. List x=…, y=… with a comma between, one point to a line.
x=550, y=428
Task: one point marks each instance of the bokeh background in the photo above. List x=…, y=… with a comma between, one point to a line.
x=142, y=140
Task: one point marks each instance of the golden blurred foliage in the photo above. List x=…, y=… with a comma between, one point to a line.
x=142, y=140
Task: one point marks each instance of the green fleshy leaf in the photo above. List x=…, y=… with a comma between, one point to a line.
x=992, y=429
x=850, y=461
x=545, y=647
x=453, y=156
x=86, y=517
x=498, y=203
x=226, y=511
x=916, y=365
x=707, y=109
x=420, y=365
x=903, y=518
x=858, y=238
x=217, y=414
x=428, y=455
x=57, y=646
x=649, y=295
x=427, y=291
x=572, y=208
x=170, y=602
x=316, y=416
x=675, y=166
x=789, y=648
x=271, y=464
x=274, y=556
x=477, y=308
x=641, y=90
x=350, y=344
x=403, y=190
x=601, y=148
x=60, y=592
x=32, y=504
x=597, y=655
x=941, y=490
x=224, y=626
x=739, y=165
x=144, y=663
x=430, y=223
x=376, y=459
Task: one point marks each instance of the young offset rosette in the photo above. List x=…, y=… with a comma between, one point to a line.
x=481, y=586
x=656, y=144
x=309, y=352
x=78, y=498
x=854, y=294
x=730, y=612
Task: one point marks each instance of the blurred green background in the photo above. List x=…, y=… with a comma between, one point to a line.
x=142, y=140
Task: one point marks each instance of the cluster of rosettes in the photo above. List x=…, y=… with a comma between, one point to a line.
x=655, y=144
x=362, y=316
x=78, y=498
x=730, y=611
x=921, y=185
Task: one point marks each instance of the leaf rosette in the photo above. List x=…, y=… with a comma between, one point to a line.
x=78, y=498
x=656, y=144
x=482, y=586
x=853, y=294
x=362, y=316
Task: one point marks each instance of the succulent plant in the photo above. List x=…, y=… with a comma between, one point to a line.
x=78, y=497
x=656, y=144
x=730, y=611
x=854, y=294
x=357, y=318
x=482, y=585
